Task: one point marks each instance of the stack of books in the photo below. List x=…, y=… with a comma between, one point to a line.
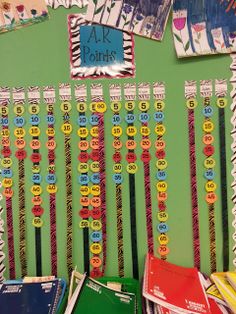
x=224, y=288
x=89, y=296
x=172, y=289
x=32, y=295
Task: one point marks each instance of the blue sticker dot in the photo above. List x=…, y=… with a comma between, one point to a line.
x=159, y=116
x=19, y=121
x=117, y=178
x=116, y=119
x=34, y=120
x=96, y=236
x=51, y=178
x=144, y=117
x=6, y=173
x=209, y=174
x=83, y=179
x=50, y=119
x=130, y=118
x=36, y=178
x=82, y=120
x=4, y=121
x=161, y=175
x=94, y=120
x=95, y=178
x=208, y=111
x=162, y=227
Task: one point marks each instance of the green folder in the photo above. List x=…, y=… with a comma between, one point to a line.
x=92, y=297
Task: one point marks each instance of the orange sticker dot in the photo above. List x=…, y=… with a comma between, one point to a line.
x=20, y=143
x=146, y=144
x=83, y=145
x=94, y=143
x=117, y=144
x=35, y=144
x=84, y=201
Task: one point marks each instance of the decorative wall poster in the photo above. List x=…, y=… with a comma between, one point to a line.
x=147, y=18
x=54, y=4
x=91, y=59
x=233, y=147
x=204, y=27
x=18, y=13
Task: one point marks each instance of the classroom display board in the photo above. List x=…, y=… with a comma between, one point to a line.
x=159, y=178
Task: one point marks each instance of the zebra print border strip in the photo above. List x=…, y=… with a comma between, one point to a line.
x=127, y=69
x=190, y=94
x=221, y=91
x=233, y=147
x=54, y=4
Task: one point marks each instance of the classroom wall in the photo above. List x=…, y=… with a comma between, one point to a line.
x=38, y=55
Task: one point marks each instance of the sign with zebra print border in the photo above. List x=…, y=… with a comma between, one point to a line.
x=98, y=51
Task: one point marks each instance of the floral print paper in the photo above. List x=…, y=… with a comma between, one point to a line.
x=204, y=27
x=143, y=17
x=18, y=13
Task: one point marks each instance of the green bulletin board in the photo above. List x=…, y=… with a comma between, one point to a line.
x=39, y=55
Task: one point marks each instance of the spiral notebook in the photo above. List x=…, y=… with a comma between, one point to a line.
x=36, y=298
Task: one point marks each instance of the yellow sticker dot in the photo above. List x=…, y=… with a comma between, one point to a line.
x=191, y=103
x=37, y=222
x=83, y=167
x=94, y=131
x=162, y=216
x=115, y=106
x=84, y=224
x=161, y=164
x=36, y=190
x=81, y=107
x=145, y=131
x=160, y=129
x=34, y=131
x=6, y=162
x=66, y=128
x=34, y=109
x=96, y=225
x=96, y=248
x=163, y=239
x=159, y=105
x=132, y=168
x=19, y=110
x=210, y=186
x=66, y=107
x=117, y=168
x=144, y=105
x=4, y=110
x=116, y=131
x=131, y=131
x=130, y=105
x=95, y=167
x=52, y=188
x=83, y=132
x=208, y=126
x=95, y=190
x=209, y=163
x=84, y=190
x=19, y=132
x=101, y=107
x=222, y=102
x=162, y=186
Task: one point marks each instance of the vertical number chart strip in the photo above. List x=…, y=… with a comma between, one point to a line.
x=36, y=189
x=233, y=148
x=5, y=99
x=144, y=117
x=100, y=190
x=115, y=99
x=221, y=91
x=19, y=132
x=83, y=168
x=209, y=164
x=95, y=201
x=161, y=164
x=66, y=128
x=190, y=95
x=132, y=168
x=49, y=98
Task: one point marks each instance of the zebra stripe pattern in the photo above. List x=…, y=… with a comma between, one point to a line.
x=4, y=100
x=126, y=69
x=221, y=91
x=97, y=96
x=144, y=94
x=191, y=92
x=115, y=95
x=65, y=95
x=49, y=94
x=2, y=244
x=54, y=4
x=80, y=92
x=233, y=147
x=18, y=95
x=52, y=196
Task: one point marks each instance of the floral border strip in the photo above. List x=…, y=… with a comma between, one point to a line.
x=54, y=4
x=233, y=147
x=127, y=69
x=16, y=16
